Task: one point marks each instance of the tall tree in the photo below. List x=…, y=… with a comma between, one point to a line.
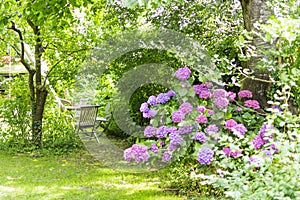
x=255, y=11
x=50, y=29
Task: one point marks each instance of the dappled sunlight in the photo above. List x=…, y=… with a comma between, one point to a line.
x=73, y=177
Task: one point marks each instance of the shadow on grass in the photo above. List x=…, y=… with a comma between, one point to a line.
x=76, y=176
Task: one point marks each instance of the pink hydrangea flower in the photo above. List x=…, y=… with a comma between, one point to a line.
x=245, y=94
x=252, y=104
x=231, y=96
x=201, y=119
x=230, y=124
x=201, y=109
x=183, y=73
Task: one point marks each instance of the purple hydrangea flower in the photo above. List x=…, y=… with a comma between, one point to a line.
x=205, y=156
x=177, y=116
x=166, y=156
x=239, y=130
x=252, y=104
x=152, y=100
x=264, y=129
x=204, y=87
x=172, y=147
x=162, y=132
x=171, y=93
x=205, y=94
x=211, y=112
x=154, y=148
x=162, y=98
x=172, y=129
x=200, y=136
x=150, y=114
x=139, y=152
x=258, y=142
x=245, y=93
x=182, y=73
x=221, y=103
x=220, y=93
x=175, y=141
x=186, y=108
x=231, y=96
x=201, y=119
x=212, y=129
x=201, y=109
x=227, y=151
x=149, y=131
x=185, y=129
x=144, y=107
x=230, y=124
x=128, y=155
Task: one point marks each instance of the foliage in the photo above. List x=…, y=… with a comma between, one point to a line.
x=59, y=134
x=15, y=109
x=242, y=143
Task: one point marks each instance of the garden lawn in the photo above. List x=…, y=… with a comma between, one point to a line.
x=76, y=176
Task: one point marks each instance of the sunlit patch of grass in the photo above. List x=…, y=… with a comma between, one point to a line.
x=76, y=176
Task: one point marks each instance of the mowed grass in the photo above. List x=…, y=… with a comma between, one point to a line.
x=76, y=176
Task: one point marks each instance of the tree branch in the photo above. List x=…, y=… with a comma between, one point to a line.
x=58, y=62
x=254, y=78
x=22, y=53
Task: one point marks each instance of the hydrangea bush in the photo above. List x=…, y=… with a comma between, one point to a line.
x=204, y=122
x=223, y=132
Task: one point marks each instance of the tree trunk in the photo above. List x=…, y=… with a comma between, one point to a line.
x=256, y=11
x=39, y=92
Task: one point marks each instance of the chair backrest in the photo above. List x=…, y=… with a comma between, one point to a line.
x=82, y=102
x=88, y=115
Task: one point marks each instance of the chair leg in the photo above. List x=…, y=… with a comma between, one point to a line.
x=96, y=137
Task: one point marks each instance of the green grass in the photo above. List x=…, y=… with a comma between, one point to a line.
x=76, y=176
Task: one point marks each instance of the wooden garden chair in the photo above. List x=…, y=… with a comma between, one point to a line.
x=87, y=121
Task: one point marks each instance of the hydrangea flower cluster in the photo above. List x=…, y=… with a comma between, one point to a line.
x=252, y=104
x=238, y=130
x=205, y=156
x=200, y=136
x=149, y=131
x=183, y=73
x=202, y=90
x=175, y=141
x=184, y=109
x=229, y=152
x=137, y=152
x=174, y=127
x=162, y=98
x=261, y=139
x=245, y=94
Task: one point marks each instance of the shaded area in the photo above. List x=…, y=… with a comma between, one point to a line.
x=78, y=176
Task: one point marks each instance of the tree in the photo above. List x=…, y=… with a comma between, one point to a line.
x=255, y=11
x=50, y=30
